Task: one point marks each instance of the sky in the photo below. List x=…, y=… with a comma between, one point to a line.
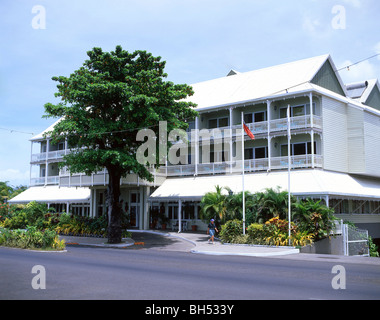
x=199, y=39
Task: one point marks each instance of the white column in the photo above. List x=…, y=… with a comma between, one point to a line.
x=230, y=138
x=312, y=130
x=31, y=158
x=269, y=137
x=289, y=165
x=46, y=160
x=196, y=145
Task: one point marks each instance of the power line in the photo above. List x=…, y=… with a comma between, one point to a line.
x=354, y=64
x=18, y=131
x=152, y=126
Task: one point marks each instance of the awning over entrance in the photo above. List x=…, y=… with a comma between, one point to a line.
x=53, y=194
x=302, y=183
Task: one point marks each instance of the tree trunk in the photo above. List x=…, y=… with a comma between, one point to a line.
x=114, y=208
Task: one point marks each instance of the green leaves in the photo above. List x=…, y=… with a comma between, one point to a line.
x=107, y=100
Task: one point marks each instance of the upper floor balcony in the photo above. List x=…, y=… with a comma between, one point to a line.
x=48, y=156
x=254, y=165
x=275, y=127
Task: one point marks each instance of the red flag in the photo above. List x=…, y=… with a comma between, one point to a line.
x=249, y=132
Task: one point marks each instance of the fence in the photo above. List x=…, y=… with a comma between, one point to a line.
x=355, y=241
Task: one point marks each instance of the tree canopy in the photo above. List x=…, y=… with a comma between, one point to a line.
x=104, y=104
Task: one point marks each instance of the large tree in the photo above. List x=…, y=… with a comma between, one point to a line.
x=104, y=104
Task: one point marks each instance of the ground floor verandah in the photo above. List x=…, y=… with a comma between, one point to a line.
x=177, y=201
x=353, y=198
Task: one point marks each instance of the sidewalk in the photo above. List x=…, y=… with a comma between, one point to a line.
x=200, y=245
x=198, y=240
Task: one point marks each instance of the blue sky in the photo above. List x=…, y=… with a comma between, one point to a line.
x=199, y=39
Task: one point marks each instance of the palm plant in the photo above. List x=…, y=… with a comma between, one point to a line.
x=272, y=203
x=213, y=205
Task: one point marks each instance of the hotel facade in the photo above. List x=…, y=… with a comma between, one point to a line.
x=334, y=150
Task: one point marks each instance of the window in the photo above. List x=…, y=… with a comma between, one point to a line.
x=256, y=153
x=248, y=117
x=296, y=111
x=261, y=153
x=173, y=210
x=255, y=117
x=297, y=149
x=135, y=197
x=218, y=123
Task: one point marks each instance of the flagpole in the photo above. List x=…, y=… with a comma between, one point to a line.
x=242, y=156
x=289, y=165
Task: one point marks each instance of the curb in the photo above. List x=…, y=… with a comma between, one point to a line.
x=247, y=254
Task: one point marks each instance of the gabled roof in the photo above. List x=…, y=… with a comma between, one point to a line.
x=262, y=83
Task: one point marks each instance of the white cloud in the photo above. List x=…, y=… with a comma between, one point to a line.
x=310, y=24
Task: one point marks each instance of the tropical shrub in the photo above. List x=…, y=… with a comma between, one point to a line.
x=274, y=233
x=256, y=233
x=313, y=217
x=32, y=214
x=31, y=238
x=82, y=226
x=373, y=249
x=230, y=230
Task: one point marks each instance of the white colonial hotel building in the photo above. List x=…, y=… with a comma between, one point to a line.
x=335, y=149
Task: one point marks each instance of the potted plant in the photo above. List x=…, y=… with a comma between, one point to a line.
x=194, y=227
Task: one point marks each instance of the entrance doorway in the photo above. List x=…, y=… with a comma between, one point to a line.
x=134, y=208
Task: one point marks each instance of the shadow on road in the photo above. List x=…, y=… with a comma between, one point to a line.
x=153, y=241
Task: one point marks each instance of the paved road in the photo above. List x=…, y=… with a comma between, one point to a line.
x=156, y=271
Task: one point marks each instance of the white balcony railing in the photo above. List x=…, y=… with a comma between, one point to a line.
x=277, y=125
x=300, y=122
x=52, y=155
x=253, y=165
x=41, y=181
